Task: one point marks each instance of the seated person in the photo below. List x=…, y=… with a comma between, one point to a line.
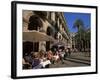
x=36, y=61
x=50, y=55
x=26, y=64
x=43, y=58
x=56, y=57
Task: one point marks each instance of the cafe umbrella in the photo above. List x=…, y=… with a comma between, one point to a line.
x=59, y=44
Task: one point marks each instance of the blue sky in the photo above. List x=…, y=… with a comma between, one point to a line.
x=71, y=17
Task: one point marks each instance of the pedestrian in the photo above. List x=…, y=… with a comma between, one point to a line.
x=61, y=55
x=66, y=53
x=69, y=51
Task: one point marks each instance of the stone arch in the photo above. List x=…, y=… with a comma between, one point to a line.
x=50, y=31
x=35, y=23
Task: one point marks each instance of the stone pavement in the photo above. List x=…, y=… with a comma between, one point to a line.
x=81, y=55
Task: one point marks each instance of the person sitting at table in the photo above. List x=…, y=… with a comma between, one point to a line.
x=44, y=61
x=36, y=61
x=56, y=57
x=26, y=64
x=61, y=55
x=50, y=56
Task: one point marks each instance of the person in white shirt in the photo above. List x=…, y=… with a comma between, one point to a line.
x=61, y=54
x=56, y=57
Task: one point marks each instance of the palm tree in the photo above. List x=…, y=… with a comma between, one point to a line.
x=88, y=39
x=80, y=34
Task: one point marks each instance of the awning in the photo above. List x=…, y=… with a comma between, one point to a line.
x=36, y=36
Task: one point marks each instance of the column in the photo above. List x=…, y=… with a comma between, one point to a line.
x=53, y=16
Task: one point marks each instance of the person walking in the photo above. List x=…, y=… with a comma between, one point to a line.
x=66, y=53
x=69, y=52
x=61, y=55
